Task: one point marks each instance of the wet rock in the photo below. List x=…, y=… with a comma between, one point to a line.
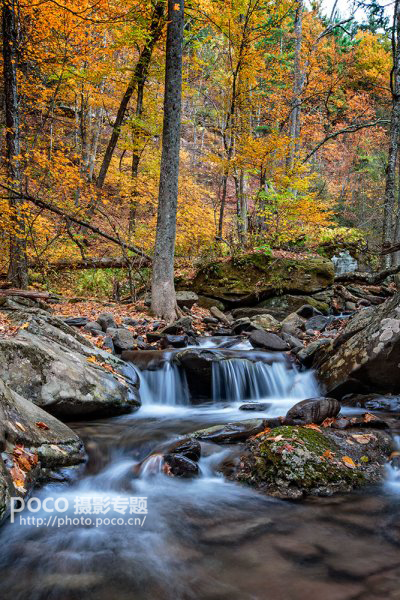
x=184, y=324
x=385, y=403
x=257, y=406
x=307, y=355
x=33, y=441
x=312, y=410
x=307, y=311
x=241, y=325
x=293, y=341
x=94, y=328
x=318, y=323
x=150, y=360
x=152, y=337
x=198, y=368
x=52, y=365
x=210, y=321
x=187, y=447
x=294, y=325
x=186, y=299
x=106, y=320
x=174, y=341
x=293, y=462
x=223, y=332
x=367, y=352
x=178, y=465
x=76, y=321
x=267, y=341
x=123, y=339
x=231, y=432
x=128, y=321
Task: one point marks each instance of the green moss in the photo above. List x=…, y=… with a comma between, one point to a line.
x=257, y=273
x=301, y=458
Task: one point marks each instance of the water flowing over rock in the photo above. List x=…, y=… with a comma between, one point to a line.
x=366, y=355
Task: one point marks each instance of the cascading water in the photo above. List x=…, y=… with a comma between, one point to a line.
x=239, y=379
x=203, y=538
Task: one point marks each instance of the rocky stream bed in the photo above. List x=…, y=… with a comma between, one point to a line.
x=264, y=439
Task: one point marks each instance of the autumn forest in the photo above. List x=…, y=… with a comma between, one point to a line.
x=286, y=131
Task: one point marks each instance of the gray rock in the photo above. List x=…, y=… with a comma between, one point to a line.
x=205, y=302
x=45, y=441
x=318, y=323
x=267, y=341
x=210, y=321
x=47, y=363
x=241, y=325
x=293, y=324
x=187, y=447
x=312, y=410
x=187, y=299
x=177, y=465
x=174, y=341
x=367, y=353
x=106, y=320
x=256, y=406
x=231, y=432
x=293, y=341
x=308, y=354
x=94, y=328
x=76, y=321
x=184, y=324
x=267, y=322
x=218, y=314
x=307, y=311
x=123, y=339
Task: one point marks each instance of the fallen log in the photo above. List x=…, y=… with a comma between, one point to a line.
x=368, y=278
x=25, y=293
x=90, y=263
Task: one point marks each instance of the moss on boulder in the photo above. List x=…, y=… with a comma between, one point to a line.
x=293, y=462
x=254, y=277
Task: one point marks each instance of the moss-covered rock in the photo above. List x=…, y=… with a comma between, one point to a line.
x=250, y=278
x=282, y=306
x=293, y=462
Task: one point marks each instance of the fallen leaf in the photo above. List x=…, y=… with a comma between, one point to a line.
x=41, y=425
x=277, y=438
x=312, y=426
x=267, y=430
x=363, y=438
x=91, y=359
x=20, y=426
x=25, y=325
x=349, y=462
x=394, y=454
x=328, y=454
x=368, y=417
x=328, y=422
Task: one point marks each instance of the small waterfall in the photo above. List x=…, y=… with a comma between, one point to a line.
x=166, y=386
x=393, y=473
x=239, y=379
x=152, y=466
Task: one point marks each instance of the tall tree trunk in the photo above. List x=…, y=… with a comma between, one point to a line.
x=163, y=297
x=139, y=75
x=18, y=271
x=298, y=82
x=388, y=217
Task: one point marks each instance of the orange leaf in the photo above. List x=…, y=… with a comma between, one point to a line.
x=349, y=462
x=41, y=425
x=312, y=426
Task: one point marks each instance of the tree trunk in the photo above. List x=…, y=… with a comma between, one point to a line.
x=163, y=297
x=388, y=216
x=139, y=75
x=298, y=82
x=18, y=270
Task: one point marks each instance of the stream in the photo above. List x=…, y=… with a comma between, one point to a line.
x=206, y=538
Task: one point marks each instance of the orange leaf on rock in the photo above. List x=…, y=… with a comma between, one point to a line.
x=41, y=425
x=349, y=462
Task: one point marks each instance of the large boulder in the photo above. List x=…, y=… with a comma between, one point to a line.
x=52, y=365
x=248, y=279
x=312, y=410
x=293, y=462
x=366, y=356
x=33, y=445
x=281, y=306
